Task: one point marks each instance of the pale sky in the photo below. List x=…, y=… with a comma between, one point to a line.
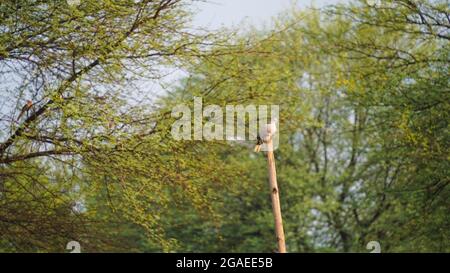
x=214, y=14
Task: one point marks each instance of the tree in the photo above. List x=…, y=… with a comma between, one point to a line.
x=86, y=70
x=363, y=94
x=350, y=83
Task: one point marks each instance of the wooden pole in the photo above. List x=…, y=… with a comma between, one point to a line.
x=274, y=193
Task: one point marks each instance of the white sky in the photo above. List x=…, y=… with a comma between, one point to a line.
x=226, y=13
x=213, y=14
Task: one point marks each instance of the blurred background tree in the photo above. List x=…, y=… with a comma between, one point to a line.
x=363, y=94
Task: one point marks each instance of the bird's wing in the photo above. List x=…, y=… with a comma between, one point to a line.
x=272, y=128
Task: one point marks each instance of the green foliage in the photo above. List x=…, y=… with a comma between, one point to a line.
x=364, y=99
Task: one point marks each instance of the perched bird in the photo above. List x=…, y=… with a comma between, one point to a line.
x=259, y=143
x=25, y=109
x=265, y=134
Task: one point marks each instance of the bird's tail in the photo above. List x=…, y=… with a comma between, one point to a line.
x=259, y=142
x=257, y=148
